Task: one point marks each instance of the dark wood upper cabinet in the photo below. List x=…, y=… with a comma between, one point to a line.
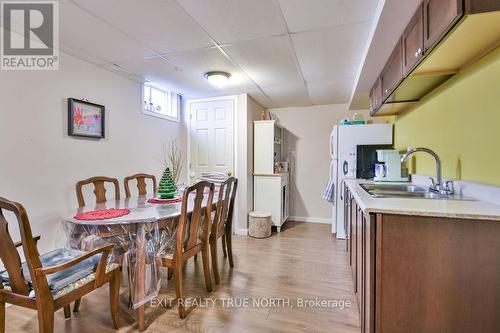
x=441, y=38
x=373, y=105
x=393, y=71
x=481, y=6
x=438, y=16
x=376, y=95
x=413, y=40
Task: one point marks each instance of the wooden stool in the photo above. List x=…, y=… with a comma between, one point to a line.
x=259, y=224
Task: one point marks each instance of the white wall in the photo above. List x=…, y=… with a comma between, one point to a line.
x=248, y=110
x=306, y=144
x=254, y=111
x=40, y=164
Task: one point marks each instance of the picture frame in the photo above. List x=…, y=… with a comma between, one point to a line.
x=85, y=119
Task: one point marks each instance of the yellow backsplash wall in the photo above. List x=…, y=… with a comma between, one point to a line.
x=460, y=121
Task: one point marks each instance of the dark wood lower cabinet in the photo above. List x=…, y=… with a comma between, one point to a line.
x=425, y=274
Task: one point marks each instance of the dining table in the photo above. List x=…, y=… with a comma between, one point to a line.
x=140, y=237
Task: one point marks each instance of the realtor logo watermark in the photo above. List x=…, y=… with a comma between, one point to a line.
x=29, y=35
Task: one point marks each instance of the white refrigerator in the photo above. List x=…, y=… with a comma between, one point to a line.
x=343, y=144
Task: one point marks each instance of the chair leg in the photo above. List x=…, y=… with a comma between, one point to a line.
x=229, y=246
x=76, y=307
x=179, y=289
x=2, y=316
x=67, y=311
x=195, y=257
x=130, y=291
x=224, y=245
x=206, y=266
x=215, y=264
x=46, y=319
x=170, y=273
x=114, y=298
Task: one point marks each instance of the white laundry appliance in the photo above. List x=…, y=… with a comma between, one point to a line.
x=344, y=140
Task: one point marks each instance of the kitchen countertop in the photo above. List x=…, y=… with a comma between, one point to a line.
x=479, y=210
x=271, y=174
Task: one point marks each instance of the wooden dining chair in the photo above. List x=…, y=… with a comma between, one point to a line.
x=222, y=224
x=51, y=281
x=192, y=237
x=141, y=183
x=99, y=189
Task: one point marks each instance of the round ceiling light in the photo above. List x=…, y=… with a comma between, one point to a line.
x=217, y=78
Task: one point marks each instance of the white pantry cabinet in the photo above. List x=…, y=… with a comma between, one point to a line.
x=271, y=190
x=271, y=195
x=268, y=142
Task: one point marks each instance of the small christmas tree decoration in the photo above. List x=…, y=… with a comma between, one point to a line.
x=166, y=187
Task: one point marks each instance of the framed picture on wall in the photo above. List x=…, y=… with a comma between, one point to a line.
x=85, y=119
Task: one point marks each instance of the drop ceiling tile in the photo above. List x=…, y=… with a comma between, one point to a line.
x=81, y=54
x=353, y=11
x=162, y=72
x=236, y=20
x=80, y=30
x=331, y=54
x=268, y=61
x=291, y=94
x=183, y=73
x=332, y=92
x=198, y=62
x=303, y=15
x=262, y=99
x=160, y=24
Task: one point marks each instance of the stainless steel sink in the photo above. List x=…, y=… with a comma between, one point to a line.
x=407, y=191
x=394, y=187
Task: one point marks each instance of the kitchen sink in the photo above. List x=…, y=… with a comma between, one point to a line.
x=394, y=187
x=408, y=191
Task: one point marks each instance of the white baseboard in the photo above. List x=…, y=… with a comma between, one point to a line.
x=241, y=231
x=310, y=219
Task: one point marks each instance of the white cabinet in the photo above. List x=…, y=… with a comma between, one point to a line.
x=271, y=190
x=268, y=141
x=271, y=195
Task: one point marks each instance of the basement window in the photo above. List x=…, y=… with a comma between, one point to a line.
x=159, y=102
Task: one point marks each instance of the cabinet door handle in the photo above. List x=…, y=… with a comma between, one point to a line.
x=419, y=52
x=387, y=90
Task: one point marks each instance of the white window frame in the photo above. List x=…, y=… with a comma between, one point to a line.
x=168, y=96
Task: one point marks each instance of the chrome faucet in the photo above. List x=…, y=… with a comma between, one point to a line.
x=437, y=185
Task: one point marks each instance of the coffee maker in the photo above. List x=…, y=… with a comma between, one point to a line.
x=389, y=168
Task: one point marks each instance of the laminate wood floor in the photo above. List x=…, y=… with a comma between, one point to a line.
x=304, y=261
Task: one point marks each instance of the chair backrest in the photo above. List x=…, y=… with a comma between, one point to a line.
x=200, y=216
x=141, y=183
x=99, y=189
x=8, y=252
x=225, y=206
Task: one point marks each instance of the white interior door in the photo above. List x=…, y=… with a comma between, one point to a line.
x=211, y=137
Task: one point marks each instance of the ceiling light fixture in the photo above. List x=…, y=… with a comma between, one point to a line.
x=217, y=78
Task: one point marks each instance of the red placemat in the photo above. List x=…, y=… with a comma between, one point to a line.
x=164, y=201
x=102, y=214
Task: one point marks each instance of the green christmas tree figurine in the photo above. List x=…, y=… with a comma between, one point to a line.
x=166, y=188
